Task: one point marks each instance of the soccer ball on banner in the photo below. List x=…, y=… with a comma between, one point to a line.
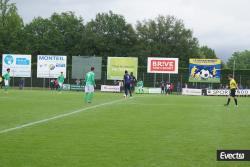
x=205, y=74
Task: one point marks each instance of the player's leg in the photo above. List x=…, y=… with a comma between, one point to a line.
x=234, y=96
x=86, y=98
x=126, y=90
x=130, y=91
x=236, y=101
x=6, y=85
x=60, y=87
x=228, y=100
x=91, y=93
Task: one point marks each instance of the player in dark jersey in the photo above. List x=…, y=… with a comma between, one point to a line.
x=132, y=84
x=127, y=82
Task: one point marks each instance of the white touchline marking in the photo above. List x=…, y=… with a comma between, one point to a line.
x=58, y=116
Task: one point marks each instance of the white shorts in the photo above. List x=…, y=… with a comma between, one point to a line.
x=89, y=89
x=60, y=84
x=6, y=82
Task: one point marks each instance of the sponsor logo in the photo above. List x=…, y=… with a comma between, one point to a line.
x=22, y=61
x=60, y=65
x=162, y=65
x=233, y=155
x=8, y=59
x=52, y=58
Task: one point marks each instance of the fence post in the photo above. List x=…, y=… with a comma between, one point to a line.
x=68, y=76
x=105, y=77
x=43, y=83
x=31, y=80
x=181, y=81
x=154, y=79
x=13, y=82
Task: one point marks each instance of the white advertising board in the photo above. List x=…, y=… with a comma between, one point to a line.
x=50, y=66
x=19, y=65
x=110, y=88
x=225, y=92
x=194, y=92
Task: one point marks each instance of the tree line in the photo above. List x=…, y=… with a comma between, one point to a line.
x=108, y=34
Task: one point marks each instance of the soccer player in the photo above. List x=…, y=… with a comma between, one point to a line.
x=132, y=83
x=233, y=86
x=6, y=77
x=89, y=86
x=60, y=81
x=127, y=82
x=140, y=86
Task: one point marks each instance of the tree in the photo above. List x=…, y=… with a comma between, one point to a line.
x=242, y=60
x=110, y=35
x=11, y=28
x=207, y=53
x=60, y=34
x=43, y=38
x=167, y=36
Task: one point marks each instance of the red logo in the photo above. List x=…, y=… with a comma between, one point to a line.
x=162, y=65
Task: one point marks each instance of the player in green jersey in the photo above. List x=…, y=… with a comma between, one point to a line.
x=90, y=85
x=6, y=77
x=60, y=80
x=140, y=86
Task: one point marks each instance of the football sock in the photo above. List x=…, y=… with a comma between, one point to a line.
x=91, y=96
x=228, y=101
x=236, y=103
x=86, y=97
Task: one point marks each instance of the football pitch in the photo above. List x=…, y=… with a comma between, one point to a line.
x=48, y=129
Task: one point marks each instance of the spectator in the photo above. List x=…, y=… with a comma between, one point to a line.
x=52, y=86
x=56, y=84
x=178, y=88
x=162, y=87
x=186, y=86
x=167, y=89
x=21, y=83
x=78, y=82
x=171, y=88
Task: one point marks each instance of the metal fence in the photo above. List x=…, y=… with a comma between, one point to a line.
x=150, y=80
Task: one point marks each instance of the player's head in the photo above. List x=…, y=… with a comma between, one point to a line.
x=61, y=72
x=131, y=73
x=126, y=71
x=92, y=68
x=230, y=76
x=8, y=70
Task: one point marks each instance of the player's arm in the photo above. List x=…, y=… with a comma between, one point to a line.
x=124, y=78
x=236, y=85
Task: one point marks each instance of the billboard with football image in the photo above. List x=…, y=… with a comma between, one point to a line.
x=205, y=70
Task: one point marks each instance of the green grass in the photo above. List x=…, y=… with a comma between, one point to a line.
x=145, y=131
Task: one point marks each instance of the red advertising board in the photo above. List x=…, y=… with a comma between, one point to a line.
x=163, y=65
